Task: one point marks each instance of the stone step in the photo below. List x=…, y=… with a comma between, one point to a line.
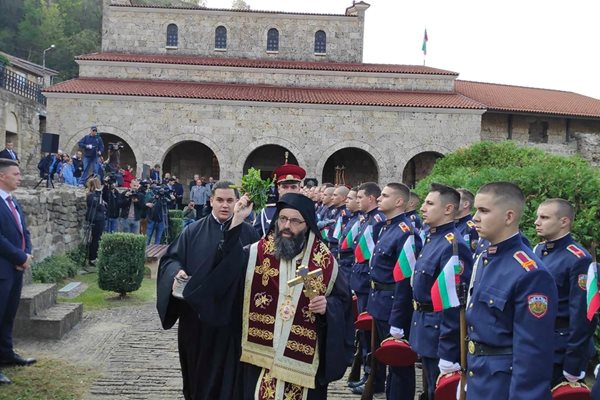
x=52, y=323
x=36, y=298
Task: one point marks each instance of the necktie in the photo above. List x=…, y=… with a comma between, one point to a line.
x=15, y=215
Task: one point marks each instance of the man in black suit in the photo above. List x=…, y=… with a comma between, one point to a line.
x=15, y=257
x=9, y=153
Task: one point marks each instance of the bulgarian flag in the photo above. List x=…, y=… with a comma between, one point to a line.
x=324, y=233
x=349, y=240
x=425, y=40
x=443, y=292
x=365, y=246
x=405, y=264
x=337, y=231
x=591, y=285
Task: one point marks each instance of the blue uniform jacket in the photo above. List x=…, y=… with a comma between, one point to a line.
x=360, y=281
x=263, y=220
x=568, y=263
x=413, y=216
x=346, y=228
x=468, y=233
x=335, y=214
x=436, y=334
x=512, y=304
x=97, y=146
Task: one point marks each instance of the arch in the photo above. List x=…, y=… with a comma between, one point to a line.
x=320, y=42
x=377, y=157
x=221, y=38
x=270, y=140
x=267, y=158
x=172, y=35
x=12, y=123
x=186, y=158
x=273, y=40
x=419, y=166
x=357, y=166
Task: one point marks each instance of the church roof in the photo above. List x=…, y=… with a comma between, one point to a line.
x=267, y=64
x=519, y=99
x=264, y=93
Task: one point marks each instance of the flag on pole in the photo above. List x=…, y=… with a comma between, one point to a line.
x=591, y=285
x=443, y=292
x=365, y=246
x=425, y=39
x=337, y=231
x=324, y=232
x=349, y=239
x=407, y=259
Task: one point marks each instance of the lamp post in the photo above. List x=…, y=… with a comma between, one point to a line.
x=44, y=63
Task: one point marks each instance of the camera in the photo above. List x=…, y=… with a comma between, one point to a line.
x=115, y=146
x=162, y=192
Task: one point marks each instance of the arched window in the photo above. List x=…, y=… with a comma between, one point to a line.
x=221, y=37
x=172, y=35
x=273, y=40
x=320, y=42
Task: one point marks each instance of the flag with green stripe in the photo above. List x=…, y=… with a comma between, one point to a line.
x=406, y=260
x=365, y=247
x=591, y=285
x=349, y=239
x=443, y=292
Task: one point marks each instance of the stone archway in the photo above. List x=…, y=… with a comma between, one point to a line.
x=189, y=157
x=358, y=167
x=267, y=158
x=11, y=130
x=127, y=155
x=419, y=167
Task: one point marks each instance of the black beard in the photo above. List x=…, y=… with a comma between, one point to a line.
x=288, y=248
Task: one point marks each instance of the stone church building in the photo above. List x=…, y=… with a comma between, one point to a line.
x=215, y=91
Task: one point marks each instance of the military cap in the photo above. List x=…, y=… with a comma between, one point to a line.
x=396, y=353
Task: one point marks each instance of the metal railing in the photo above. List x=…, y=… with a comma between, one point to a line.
x=19, y=85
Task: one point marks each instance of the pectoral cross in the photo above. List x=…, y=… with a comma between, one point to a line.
x=309, y=278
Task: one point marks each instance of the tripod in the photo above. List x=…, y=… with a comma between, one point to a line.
x=48, y=179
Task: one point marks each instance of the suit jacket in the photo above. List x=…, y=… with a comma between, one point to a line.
x=5, y=154
x=11, y=239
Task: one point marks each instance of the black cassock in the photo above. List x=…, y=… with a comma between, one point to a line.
x=209, y=343
x=221, y=292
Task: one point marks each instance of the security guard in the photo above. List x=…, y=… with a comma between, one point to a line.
x=435, y=335
x=568, y=263
x=340, y=215
x=464, y=223
x=400, y=382
x=511, y=307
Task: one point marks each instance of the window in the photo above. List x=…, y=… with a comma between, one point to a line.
x=221, y=37
x=172, y=35
x=538, y=132
x=273, y=40
x=320, y=42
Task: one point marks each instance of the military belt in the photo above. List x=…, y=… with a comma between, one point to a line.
x=561, y=323
x=480, y=349
x=383, y=286
x=424, y=307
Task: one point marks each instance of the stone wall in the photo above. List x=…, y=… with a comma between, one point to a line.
x=143, y=30
x=27, y=139
x=263, y=76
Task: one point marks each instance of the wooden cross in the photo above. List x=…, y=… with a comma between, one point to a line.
x=309, y=280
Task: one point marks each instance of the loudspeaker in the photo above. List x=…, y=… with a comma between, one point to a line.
x=146, y=171
x=50, y=143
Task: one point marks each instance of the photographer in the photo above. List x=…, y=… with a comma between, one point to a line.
x=132, y=205
x=112, y=198
x=157, y=213
x=92, y=146
x=95, y=217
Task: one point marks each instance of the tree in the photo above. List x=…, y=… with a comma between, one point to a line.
x=240, y=5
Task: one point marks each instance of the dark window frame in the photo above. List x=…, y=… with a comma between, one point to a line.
x=320, y=42
x=221, y=38
x=273, y=40
x=172, y=35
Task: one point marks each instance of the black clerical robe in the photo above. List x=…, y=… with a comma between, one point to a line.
x=223, y=288
x=209, y=343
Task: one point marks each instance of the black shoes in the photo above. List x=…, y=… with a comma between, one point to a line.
x=4, y=380
x=16, y=360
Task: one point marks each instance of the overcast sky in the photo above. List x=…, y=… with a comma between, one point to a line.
x=552, y=44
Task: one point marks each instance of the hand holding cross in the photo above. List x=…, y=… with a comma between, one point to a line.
x=308, y=278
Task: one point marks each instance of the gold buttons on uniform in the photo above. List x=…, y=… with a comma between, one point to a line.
x=471, y=373
x=485, y=261
x=491, y=301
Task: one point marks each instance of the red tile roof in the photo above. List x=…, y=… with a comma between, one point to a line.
x=237, y=92
x=521, y=99
x=268, y=64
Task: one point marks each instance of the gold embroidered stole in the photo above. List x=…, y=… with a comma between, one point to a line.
x=279, y=334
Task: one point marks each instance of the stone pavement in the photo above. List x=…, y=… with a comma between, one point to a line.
x=137, y=359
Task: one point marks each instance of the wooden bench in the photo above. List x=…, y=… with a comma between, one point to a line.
x=153, y=254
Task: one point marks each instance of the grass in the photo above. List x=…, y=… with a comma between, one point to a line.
x=94, y=298
x=48, y=379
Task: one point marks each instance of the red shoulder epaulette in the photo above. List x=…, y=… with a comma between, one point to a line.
x=576, y=250
x=471, y=224
x=377, y=218
x=449, y=237
x=404, y=227
x=526, y=262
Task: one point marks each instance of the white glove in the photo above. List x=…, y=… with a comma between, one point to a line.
x=573, y=378
x=397, y=333
x=89, y=146
x=458, y=390
x=596, y=371
x=447, y=366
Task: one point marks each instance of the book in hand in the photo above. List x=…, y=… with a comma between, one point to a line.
x=179, y=286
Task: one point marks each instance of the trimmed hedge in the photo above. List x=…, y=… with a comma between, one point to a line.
x=54, y=269
x=175, y=228
x=175, y=214
x=121, y=262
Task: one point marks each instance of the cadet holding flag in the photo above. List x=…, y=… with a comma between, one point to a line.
x=340, y=214
x=349, y=232
x=512, y=304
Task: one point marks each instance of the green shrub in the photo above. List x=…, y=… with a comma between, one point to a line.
x=121, y=262
x=175, y=213
x=78, y=255
x=54, y=269
x=175, y=228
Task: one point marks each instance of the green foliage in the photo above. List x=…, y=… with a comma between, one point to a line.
x=256, y=188
x=121, y=262
x=175, y=228
x=175, y=213
x=4, y=60
x=539, y=174
x=54, y=269
x=78, y=256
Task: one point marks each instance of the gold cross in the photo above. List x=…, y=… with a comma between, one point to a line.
x=266, y=271
x=309, y=279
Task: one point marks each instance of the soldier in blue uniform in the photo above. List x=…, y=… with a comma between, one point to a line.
x=435, y=335
x=360, y=281
x=340, y=213
x=411, y=211
x=511, y=307
x=346, y=250
x=325, y=202
x=464, y=223
x=568, y=263
x=400, y=382
x=288, y=178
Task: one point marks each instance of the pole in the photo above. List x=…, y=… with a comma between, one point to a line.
x=370, y=383
x=463, y=351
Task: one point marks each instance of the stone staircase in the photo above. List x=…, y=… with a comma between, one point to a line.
x=41, y=317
